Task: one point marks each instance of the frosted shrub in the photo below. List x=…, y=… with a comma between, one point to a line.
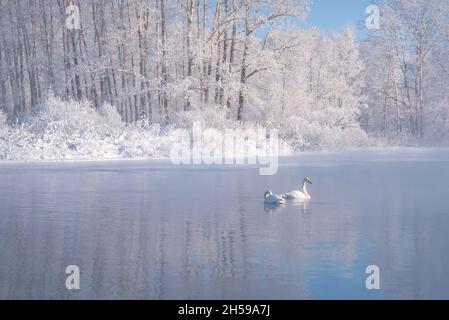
x=355, y=137
x=4, y=130
x=64, y=130
x=76, y=130
x=439, y=131
x=214, y=117
x=303, y=135
x=110, y=120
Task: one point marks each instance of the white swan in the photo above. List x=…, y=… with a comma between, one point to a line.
x=300, y=195
x=271, y=198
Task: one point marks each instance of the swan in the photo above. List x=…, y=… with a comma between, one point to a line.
x=271, y=198
x=300, y=195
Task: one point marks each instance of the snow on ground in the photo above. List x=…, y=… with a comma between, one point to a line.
x=73, y=130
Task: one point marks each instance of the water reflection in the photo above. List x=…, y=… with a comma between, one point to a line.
x=138, y=233
x=302, y=205
x=274, y=207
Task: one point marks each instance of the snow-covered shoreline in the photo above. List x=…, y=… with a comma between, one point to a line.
x=377, y=153
x=75, y=130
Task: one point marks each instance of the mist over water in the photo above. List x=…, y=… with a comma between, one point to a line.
x=146, y=229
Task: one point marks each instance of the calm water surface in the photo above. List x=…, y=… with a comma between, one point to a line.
x=151, y=230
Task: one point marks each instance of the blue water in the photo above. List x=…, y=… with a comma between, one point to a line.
x=146, y=229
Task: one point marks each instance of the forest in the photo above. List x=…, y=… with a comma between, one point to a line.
x=114, y=78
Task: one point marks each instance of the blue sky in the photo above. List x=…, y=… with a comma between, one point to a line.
x=333, y=15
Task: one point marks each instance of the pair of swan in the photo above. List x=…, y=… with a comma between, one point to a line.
x=271, y=198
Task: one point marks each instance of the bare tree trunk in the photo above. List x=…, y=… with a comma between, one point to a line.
x=189, y=14
x=231, y=58
x=164, y=69
x=142, y=19
x=225, y=55
x=3, y=106
x=243, y=68
x=384, y=112
x=219, y=53
x=48, y=40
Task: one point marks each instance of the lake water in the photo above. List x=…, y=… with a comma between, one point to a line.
x=147, y=229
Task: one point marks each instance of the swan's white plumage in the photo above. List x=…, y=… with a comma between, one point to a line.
x=271, y=198
x=297, y=194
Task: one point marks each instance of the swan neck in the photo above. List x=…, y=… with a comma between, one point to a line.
x=304, y=188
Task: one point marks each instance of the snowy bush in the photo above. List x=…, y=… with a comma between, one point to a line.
x=76, y=130
x=303, y=135
x=214, y=117
x=4, y=131
x=3, y=125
